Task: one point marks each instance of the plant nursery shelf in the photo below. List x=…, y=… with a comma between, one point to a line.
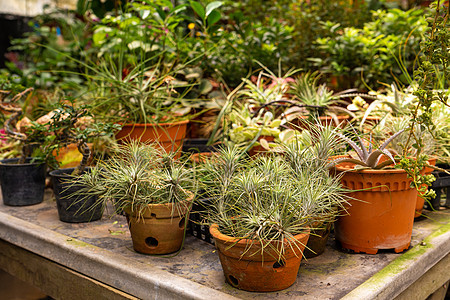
x=97, y=261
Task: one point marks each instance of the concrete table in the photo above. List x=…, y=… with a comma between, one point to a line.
x=97, y=261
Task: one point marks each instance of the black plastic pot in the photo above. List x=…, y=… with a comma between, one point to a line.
x=197, y=146
x=441, y=185
x=22, y=184
x=73, y=209
x=317, y=241
x=197, y=215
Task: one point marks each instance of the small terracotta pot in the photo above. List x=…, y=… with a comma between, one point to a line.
x=160, y=228
x=260, y=149
x=382, y=216
x=169, y=135
x=245, y=268
x=202, y=157
x=420, y=201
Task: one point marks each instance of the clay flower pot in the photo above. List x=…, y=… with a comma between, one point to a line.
x=159, y=228
x=260, y=149
x=420, y=201
x=245, y=268
x=382, y=215
x=169, y=135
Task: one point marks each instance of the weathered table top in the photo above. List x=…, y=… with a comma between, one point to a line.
x=103, y=250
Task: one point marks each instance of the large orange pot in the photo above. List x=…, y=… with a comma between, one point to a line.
x=420, y=201
x=169, y=135
x=158, y=228
x=245, y=268
x=380, y=217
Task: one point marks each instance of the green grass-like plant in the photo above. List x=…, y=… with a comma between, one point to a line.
x=266, y=199
x=138, y=175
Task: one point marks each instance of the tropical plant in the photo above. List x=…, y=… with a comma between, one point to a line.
x=32, y=59
x=384, y=50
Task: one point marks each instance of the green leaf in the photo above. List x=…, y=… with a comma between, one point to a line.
x=212, y=6
x=98, y=37
x=205, y=87
x=198, y=8
x=178, y=9
x=213, y=18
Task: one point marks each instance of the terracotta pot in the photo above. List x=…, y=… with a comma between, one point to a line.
x=382, y=216
x=202, y=157
x=420, y=201
x=169, y=135
x=259, y=149
x=160, y=228
x=245, y=268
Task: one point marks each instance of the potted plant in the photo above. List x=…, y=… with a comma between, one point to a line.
x=313, y=99
x=318, y=145
x=249, y=131
x=72, y=125
x=23, y=179
x=261, y=215
x=144, y=84
x=151, y=187
x=383, y=216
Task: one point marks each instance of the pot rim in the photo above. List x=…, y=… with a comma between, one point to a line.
x=190, y=199
x=6, y=162
x=215, y=232
x=349, y=169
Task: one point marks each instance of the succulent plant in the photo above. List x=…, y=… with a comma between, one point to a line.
x=369, y=157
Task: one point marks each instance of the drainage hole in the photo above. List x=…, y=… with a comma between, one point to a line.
x=279, y=264
x=151, y=242
x=233, y=280
x=182, y=221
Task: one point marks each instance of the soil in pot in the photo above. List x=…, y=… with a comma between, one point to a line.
x=22, y=184
x=382, y=217
x=158, y=228
x=73, y=208
x=245, y=268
